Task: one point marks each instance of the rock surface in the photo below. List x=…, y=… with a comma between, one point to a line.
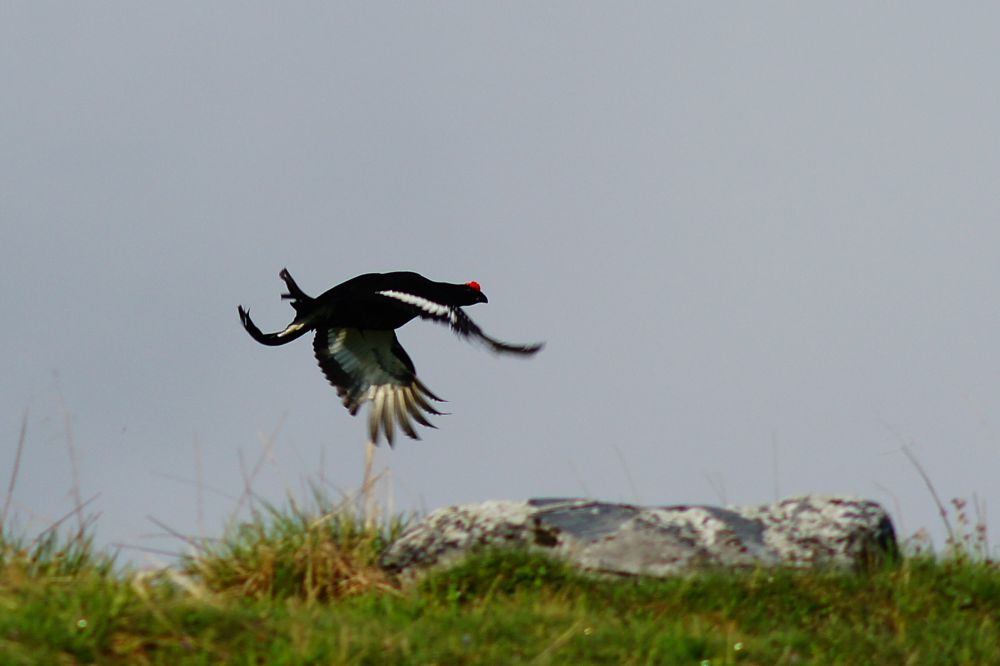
x=808, y=531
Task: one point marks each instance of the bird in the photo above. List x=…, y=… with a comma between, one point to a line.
x=357, y=349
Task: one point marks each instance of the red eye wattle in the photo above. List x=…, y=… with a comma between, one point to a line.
x=474, y=285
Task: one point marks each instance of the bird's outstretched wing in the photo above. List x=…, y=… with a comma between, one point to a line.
x=460, y=322
x=371, y=366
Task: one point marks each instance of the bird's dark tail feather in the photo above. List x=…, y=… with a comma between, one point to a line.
x=299, y=326
x=291, y=332
x=298, y=297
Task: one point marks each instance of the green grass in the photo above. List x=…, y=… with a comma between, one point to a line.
x=301, y=587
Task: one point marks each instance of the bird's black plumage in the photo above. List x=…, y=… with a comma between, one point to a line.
x=356, y=345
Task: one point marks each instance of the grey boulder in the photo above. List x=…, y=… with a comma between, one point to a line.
x=807, y=531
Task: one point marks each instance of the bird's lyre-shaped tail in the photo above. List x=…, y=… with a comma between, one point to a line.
x=296, y=329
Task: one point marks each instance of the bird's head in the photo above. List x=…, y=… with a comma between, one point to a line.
x=473, y=293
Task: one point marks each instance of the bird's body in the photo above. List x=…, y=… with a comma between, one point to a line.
x=356, y=343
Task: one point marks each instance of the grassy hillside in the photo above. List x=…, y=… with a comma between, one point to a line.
x=302, y=588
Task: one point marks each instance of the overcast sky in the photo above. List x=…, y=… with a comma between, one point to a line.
x=762, y=243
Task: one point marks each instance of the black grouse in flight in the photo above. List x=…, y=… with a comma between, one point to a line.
x=356, y=343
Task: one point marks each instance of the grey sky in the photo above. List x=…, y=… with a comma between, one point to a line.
x=740, y=229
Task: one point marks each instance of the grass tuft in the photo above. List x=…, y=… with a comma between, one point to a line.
x=52, y=554
x=327, y=551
